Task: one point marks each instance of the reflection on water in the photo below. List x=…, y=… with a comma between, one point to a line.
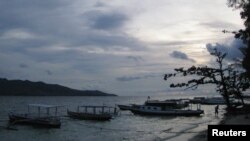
x=125, y=126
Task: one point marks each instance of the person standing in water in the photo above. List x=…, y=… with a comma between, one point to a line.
x=216, y=110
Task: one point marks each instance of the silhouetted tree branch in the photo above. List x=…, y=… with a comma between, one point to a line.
x=243, y=34
x=229, y=80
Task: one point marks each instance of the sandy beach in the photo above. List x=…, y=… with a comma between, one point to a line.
x=227, y=120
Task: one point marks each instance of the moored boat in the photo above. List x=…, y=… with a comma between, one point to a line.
x=100, y=113
x=38, y=119
x=209, y=100
x=34, y=121
x=159, y=111
x=170, y=103
x=214, y=101
x=197, y=100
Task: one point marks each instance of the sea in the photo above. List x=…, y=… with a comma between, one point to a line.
x=124, y=127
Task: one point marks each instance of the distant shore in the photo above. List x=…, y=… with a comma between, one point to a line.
x=243, y=119
x=29, y=88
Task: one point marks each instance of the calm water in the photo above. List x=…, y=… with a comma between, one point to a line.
x=125, y=127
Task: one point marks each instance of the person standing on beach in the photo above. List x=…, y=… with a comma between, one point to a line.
x=216, y=110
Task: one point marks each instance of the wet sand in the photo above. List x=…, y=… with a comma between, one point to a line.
x=228, y=120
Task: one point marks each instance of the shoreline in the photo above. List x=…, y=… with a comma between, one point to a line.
x=241, y=119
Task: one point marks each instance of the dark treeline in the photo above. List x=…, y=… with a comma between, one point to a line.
x=28, y=88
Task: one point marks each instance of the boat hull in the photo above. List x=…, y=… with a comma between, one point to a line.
x=168, y=112
x=125, y=107
x=34, y=121
x=89, y=116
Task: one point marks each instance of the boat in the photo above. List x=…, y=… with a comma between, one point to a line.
x=161, y=111
x=214, y=101
x=100, y=113
x=209, y=100
x=165, y=104
x=169, y=103
x=197, y=100
x=124, y=107
x=38, y=119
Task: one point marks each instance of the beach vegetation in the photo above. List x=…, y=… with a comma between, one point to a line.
x=230, y=79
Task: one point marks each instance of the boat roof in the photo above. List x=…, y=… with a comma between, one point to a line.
x=88, y=106
x=44, y=105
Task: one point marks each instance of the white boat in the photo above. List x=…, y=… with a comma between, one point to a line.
x=209, y=100
x=197, y=100
x=37, y=119
x=213, y=101
x=159, y=111
x=169, y=103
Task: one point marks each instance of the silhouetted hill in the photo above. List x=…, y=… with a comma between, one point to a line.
x=28, y=88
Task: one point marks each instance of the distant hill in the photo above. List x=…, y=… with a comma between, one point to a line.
x=28, y=88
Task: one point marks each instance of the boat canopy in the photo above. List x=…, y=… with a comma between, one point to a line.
x=44, y=106
x=87, y=106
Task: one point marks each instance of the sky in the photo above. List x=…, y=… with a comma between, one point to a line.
x=122, y=47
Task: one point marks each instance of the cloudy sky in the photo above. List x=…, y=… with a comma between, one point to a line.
x=116, y=46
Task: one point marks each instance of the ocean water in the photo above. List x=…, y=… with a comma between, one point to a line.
x=124, y=127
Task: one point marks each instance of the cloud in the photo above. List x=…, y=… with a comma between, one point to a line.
x=48, y=72
x=26, y=14
x=132, y=78
x=23, y=66
x=219, y=24
x=232, y=48
x=17, y=34
x=49, y=23
x=171, y=43
x=135, y=58
x=102, y=20
x=128, y=78
x=99, y=43
x=99, y=4
x=181, y=55
x=27, y=26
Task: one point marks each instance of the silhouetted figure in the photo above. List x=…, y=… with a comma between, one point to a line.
x=216, y=110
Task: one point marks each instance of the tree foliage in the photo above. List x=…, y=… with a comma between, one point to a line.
x=230, y=81
x=243, y=34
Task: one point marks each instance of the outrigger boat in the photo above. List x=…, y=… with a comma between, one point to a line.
x=100, y=113
x=39, y=119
